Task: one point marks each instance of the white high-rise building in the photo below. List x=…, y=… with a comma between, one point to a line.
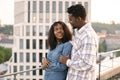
x=33, y=19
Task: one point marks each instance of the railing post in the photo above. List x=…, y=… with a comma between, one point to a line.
x=99, y=65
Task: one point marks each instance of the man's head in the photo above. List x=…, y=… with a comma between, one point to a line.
x=77, y=15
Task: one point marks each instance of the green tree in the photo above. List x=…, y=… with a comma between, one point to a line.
x=5, y=54
x=118, y=53
x=8, y=53
x=102, y=46
x=1, y=56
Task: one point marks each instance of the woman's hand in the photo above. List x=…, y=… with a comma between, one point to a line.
x=45, y=63
x=63, y=59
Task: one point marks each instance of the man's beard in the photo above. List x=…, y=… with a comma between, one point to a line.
x=74, y=27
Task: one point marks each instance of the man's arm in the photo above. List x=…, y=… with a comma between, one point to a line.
x=84, y=58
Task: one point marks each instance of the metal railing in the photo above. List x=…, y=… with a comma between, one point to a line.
x=15, y=73
x=111, y=54
x=99, y=63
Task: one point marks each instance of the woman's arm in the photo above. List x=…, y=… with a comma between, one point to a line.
x=57, y=66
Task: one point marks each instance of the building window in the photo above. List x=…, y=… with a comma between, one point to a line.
x=60, y=6
x=66, y=15
x=34, y=18
x=15, y=57
x=46, y=55
x=86, y=7
x=21, y=44
x=21, y=57
x=34, y=43
x=40, y=6
x=34, y=6
x=40, y=17
x=47, y=11
x=47, y=17
x=47, y=6
x=34, y=30
x=40, y=44
x=53, y=7
x=27, y=57
x=27, y=30
x=73, y=3
x=79, y=2
x=14, y=68
x=34, y=72
x=21, y=69
x=47, y=30
x=66, y=6
x=28, y=68
x=34, y=12
x=40, y=72
x=27, y=44
x=10, y=69
x=41, y=11
x=60, y=10
x=40, y=30
x=34, y=57
x=53, y=11
x=28, y=11
x=46, y=44
x=40, y=57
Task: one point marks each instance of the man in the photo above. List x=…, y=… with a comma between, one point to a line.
x=83, y=55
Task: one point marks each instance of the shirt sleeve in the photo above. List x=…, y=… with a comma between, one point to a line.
x=85, y=57
x=57, y=66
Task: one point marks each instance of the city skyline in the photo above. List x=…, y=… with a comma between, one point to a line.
x=103, y=11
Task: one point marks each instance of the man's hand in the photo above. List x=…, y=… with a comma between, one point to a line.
x=45, y=63
x=63, y=59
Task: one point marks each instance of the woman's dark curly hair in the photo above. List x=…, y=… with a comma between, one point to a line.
x=77, y=11
x=52, y=42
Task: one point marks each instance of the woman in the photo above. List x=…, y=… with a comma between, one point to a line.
x=58, y=40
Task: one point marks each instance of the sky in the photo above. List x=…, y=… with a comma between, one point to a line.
x=103, y=11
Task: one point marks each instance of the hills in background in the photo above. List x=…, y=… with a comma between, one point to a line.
x=99, y=28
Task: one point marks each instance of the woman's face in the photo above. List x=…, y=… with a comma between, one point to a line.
x=58, y=32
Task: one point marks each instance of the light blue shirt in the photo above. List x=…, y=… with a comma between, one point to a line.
x=57, y=71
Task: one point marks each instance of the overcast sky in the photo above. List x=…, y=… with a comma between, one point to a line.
x=101, y=11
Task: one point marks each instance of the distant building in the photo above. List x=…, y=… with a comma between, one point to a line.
x=112, y=42
x=32, y=22
x=117, y=32
x=7, y=43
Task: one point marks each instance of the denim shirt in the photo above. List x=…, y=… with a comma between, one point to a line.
x=56, y=70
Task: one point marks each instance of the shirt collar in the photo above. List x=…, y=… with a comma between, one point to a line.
x=83, y=28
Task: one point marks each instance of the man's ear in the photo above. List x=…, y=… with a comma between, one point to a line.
x=79, y=18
